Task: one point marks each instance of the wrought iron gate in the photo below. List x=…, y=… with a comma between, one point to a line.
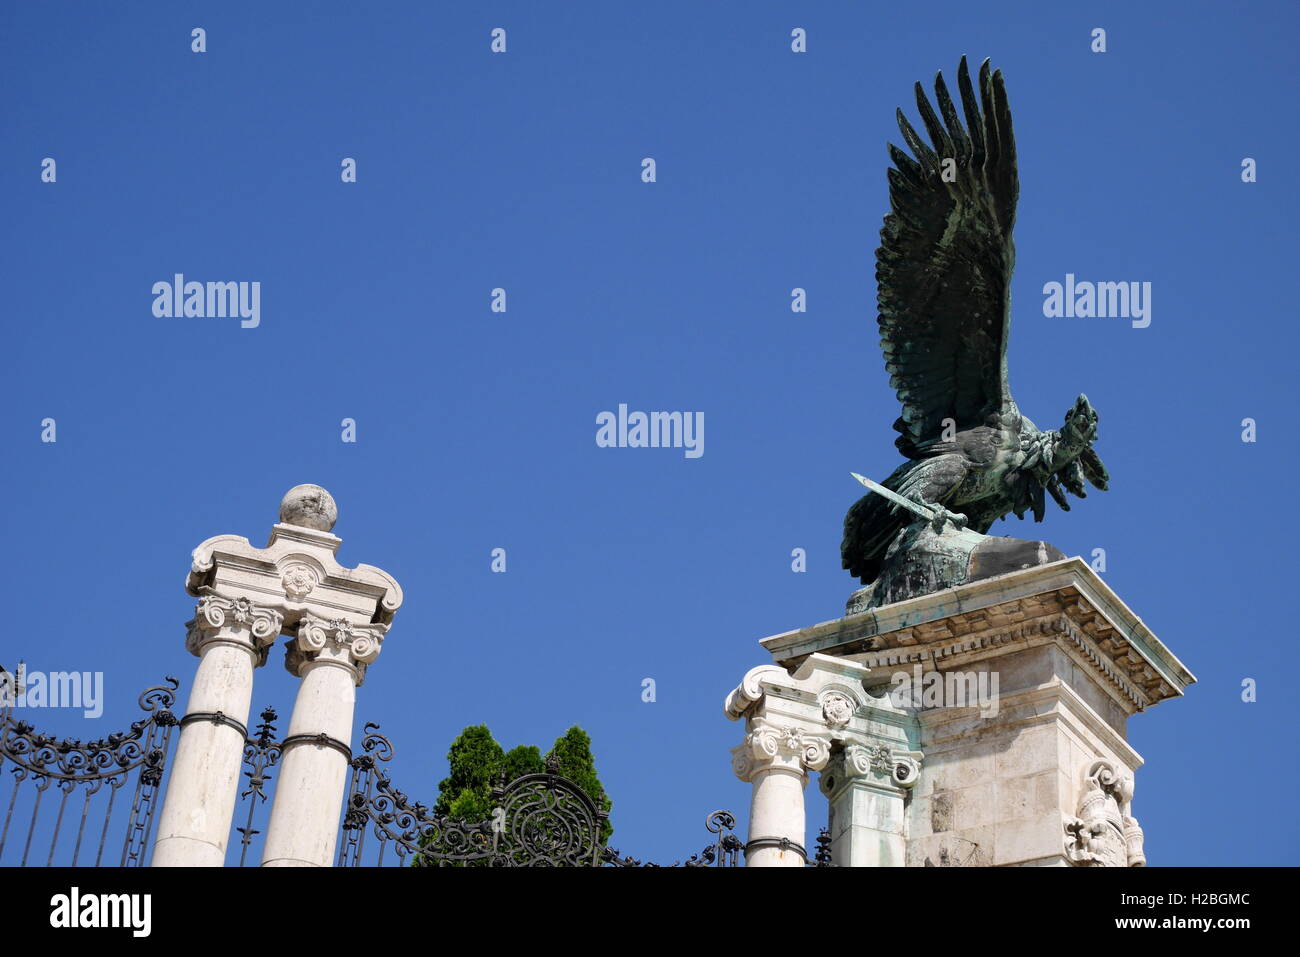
x=43, y=766
x=538, y=820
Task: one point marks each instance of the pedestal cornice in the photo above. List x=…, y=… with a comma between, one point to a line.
x=1063, y=601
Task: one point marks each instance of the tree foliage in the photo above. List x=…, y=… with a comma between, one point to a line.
x=476, y=761
x=573, y=752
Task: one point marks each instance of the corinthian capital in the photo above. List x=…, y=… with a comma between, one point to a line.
x=340, y=641
x=768, y=745
x=234, y=620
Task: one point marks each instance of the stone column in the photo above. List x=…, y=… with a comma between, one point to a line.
x=331, y=658
x=230, y=638
x=247, y=596
x=776, y=760
x=820, y=717
x=867, y=786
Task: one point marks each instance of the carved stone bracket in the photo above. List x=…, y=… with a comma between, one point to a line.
x=1105, y=834
x=751, y=689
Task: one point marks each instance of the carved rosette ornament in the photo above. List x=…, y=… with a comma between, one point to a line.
x=837, y=710
x=769, y=746
x=298, y=580
x=352, y=645
x=235, y=620
x=1105, y=834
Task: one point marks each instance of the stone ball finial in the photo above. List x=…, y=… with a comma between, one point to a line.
x=309, y=506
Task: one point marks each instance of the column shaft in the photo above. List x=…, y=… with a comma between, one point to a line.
x=868, y=827
x=331, y=658
x=775, y=759
x=194, y=824
x=313, y=774
x=777, y=813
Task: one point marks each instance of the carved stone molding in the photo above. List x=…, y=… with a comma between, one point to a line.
x=1025, y=635
x=769, y=746
x=1105, y=834
x=297, y=570
x=352, y=645
x=236, y=620
x=798, y=718
x=1063, y=601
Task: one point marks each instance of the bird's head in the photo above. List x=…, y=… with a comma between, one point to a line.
x=1074, y=458
x=1080, y=428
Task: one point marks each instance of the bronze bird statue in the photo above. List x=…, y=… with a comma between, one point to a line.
x=944, y=275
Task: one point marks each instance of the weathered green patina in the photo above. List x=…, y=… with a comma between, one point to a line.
x=944, y=274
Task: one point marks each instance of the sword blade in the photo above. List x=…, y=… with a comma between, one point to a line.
x=894, y=497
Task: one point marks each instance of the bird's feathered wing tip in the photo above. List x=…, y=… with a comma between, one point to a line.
x=945, y=259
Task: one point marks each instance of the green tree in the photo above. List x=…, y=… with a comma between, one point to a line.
x=521, y=760
x=476, y=760
x=572, y=751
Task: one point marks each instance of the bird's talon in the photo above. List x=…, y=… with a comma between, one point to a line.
x=942, y=516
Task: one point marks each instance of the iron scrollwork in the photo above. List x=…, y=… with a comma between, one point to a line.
x=725, y=851
x=538, y=820
x=260, y=755
x=65, y=765
x=376, y=808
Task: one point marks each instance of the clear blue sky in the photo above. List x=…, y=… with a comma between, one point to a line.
x=477, y=429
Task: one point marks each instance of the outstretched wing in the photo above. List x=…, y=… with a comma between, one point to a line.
x=945, y=260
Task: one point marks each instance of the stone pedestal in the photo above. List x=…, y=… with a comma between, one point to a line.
x=1013, y=694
